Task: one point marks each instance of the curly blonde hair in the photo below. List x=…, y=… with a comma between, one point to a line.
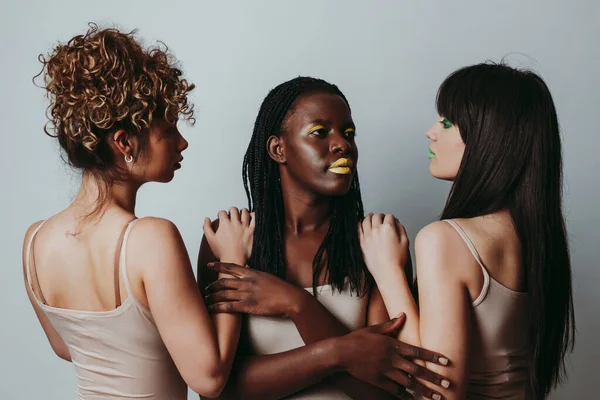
x=103, y=81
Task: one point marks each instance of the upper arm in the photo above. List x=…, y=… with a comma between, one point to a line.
x=445, y=306
x=175, y=301
x=57, y=343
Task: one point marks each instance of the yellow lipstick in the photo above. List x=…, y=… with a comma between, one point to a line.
x=343, y=166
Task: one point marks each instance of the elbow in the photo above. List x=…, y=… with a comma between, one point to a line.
x=210, y=387
x=64, y=354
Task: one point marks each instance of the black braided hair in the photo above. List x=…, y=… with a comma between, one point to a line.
x=340, y=252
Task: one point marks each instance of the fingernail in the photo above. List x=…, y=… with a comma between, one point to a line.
x=210, y=264
x=443, y=360
x=436, y=396
x=445, y=383
x=400, y=315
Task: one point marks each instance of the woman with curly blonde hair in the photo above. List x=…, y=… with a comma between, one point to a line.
x=116, y=295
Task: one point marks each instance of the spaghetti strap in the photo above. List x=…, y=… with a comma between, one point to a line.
x=122, y=265
x=118, y=251
x=28, y=257
x=473, y=250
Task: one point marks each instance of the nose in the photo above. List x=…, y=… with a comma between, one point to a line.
x=339, y=144
x=431, y=133
x=183, y=144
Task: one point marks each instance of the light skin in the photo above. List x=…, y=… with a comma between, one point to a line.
x=161, y=277
x=450, y=278
x=317, y=135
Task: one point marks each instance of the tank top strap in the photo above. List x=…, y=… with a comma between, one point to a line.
x=473, y=250
x=28, y=257
x=122, y=266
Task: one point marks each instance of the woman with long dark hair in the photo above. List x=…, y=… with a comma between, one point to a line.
x=308, y=283
x=494, y=273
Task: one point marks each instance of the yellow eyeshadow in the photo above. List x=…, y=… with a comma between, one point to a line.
x=349, y=130
x=316, y=128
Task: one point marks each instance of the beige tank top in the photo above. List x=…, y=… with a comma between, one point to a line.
x=117, y=354
x=499, y=338
x=268, y=335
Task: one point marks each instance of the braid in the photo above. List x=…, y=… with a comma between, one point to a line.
x=340, y=253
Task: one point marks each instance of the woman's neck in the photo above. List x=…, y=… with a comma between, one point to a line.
x=305, y=212
x=119, y=194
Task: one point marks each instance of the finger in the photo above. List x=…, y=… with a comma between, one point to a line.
x=402, y=378
x=228, y=307
x=389, y=219
x=423, y=391
x=245, y=216
x=367, y=223
x=418, y=353
x=226, y=283
x=209, y=233
x=226, y=296
x=234, y=214
x=377, y=220
x=419, y=371
x=361, y=233
x=223, y=216
x=228, y=268
x=402, y=232
x=391, y=386
x=389, y=327
x=252, y=220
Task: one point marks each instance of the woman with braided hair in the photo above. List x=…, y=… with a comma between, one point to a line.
x=307, y=286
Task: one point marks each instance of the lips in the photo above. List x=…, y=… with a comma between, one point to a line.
x=343, y=166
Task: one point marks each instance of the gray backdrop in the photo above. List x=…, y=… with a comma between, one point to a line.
x=387, y=56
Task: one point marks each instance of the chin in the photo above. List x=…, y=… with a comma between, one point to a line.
x=440, y=175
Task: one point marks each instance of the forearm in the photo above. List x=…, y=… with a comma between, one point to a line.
x=397, y=296
x=279, y=375
x=314, y=323
x=227, y=328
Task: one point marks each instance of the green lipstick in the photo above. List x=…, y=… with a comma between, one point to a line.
x=431, y=154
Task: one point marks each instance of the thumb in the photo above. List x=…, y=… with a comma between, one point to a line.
x=390, y=327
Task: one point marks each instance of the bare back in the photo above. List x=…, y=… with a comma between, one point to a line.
x=75, y=262
x=495, y=238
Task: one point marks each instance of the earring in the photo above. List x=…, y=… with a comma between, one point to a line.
x=128, y=158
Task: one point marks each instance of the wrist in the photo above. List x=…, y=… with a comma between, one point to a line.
x=233, y=259
x=298, y=299
x=335, y=350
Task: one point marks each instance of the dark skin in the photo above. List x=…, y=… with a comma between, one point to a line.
x=317, y=132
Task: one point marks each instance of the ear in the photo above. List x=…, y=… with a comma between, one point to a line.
x=276, y=149
x=124, y=144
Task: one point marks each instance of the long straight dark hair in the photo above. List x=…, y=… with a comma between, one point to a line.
x=513, y=161
x=341, y=247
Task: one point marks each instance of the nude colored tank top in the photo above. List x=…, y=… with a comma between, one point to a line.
x=117, y=354
x=275, y=335
x=500, y=338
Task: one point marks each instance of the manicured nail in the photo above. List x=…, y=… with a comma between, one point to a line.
x=436, y=396
x=445, y=383
x=210, y=264
x=443, y=360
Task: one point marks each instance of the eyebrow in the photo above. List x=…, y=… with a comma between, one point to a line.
x=325, y=122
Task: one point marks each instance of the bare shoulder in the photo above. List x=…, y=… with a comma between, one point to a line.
x=438, y=235
x=441, y=251
x=29, y=234
x=154, y=230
